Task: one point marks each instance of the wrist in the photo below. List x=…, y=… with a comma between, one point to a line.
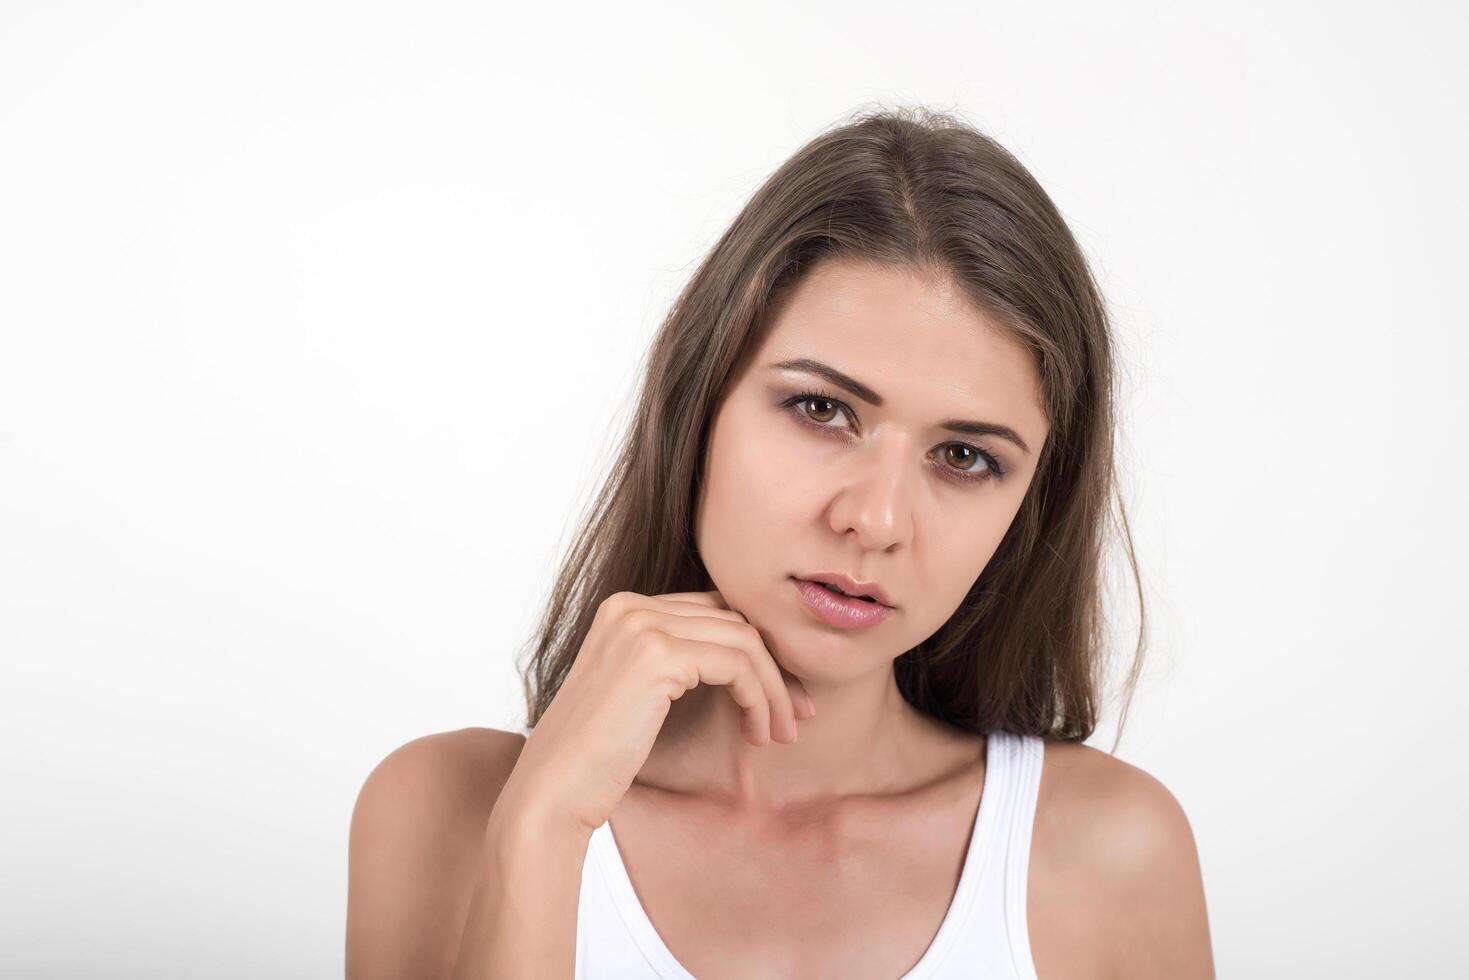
x=524, y=816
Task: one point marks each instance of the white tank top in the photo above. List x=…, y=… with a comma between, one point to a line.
x=983, y=936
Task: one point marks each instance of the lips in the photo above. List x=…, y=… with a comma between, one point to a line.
x=844, y=584
x=838, y=610
x=848, y=595
x=838, y=591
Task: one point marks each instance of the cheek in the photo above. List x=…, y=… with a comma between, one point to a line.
x=741, y=491
x=791, y=461
x=758, y=461
x=963, y=565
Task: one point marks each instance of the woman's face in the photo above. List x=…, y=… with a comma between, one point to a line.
x=806, y=474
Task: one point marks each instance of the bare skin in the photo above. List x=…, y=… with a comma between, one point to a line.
x=874, y=799
x=1114, y=889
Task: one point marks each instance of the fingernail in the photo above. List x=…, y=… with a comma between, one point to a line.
x=810, y=705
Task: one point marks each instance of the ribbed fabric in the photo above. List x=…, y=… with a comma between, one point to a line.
x=984, y=934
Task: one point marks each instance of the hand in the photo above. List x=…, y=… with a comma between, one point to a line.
x=641, y=653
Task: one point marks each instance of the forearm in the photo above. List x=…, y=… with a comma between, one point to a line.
x=522, y=917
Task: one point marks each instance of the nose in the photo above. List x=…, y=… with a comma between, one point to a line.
x=875, y=499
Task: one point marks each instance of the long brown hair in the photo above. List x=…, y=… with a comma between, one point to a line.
x=919, y=189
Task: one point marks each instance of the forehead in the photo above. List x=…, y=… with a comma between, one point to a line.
x=912, y=338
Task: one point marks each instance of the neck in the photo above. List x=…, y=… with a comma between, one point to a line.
x=862, y=740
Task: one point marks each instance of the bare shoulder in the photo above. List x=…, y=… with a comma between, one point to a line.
x=1115, y=885
x=1109, y=811
x=416, y=830
x=444, y=777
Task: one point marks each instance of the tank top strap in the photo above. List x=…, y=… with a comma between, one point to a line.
x=984, y=933
x=1024, y=755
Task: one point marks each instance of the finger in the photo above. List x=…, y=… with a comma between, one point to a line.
x=782, y=710
x=743, y=636
x=715, y=599
x=712, y=603
x=801, y=702
x=693, y=604
x=730, y=668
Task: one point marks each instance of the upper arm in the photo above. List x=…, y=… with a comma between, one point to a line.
x=1116, y=885
x=413, y=850
x=1149, y=860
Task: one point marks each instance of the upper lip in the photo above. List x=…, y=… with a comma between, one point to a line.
x=852, y=586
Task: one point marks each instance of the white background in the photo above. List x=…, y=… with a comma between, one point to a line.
x=318, y=320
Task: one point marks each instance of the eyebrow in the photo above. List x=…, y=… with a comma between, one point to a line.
x=808, y=365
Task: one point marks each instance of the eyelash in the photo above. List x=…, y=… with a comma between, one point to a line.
x=995, y=470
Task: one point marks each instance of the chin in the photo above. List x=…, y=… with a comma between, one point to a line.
x=817, y=653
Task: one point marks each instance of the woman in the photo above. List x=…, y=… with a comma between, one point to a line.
x=892, y=375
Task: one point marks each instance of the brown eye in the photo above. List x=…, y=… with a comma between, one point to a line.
x=821, y=401
x=954, y=452
x=959, y=447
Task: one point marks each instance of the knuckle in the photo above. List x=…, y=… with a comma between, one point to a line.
x=607, y=608
x=639, y=620
x=750, y=631
x=616, y=603
x=651, y=644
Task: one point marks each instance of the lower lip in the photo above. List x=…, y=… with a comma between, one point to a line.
x=838, y=610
